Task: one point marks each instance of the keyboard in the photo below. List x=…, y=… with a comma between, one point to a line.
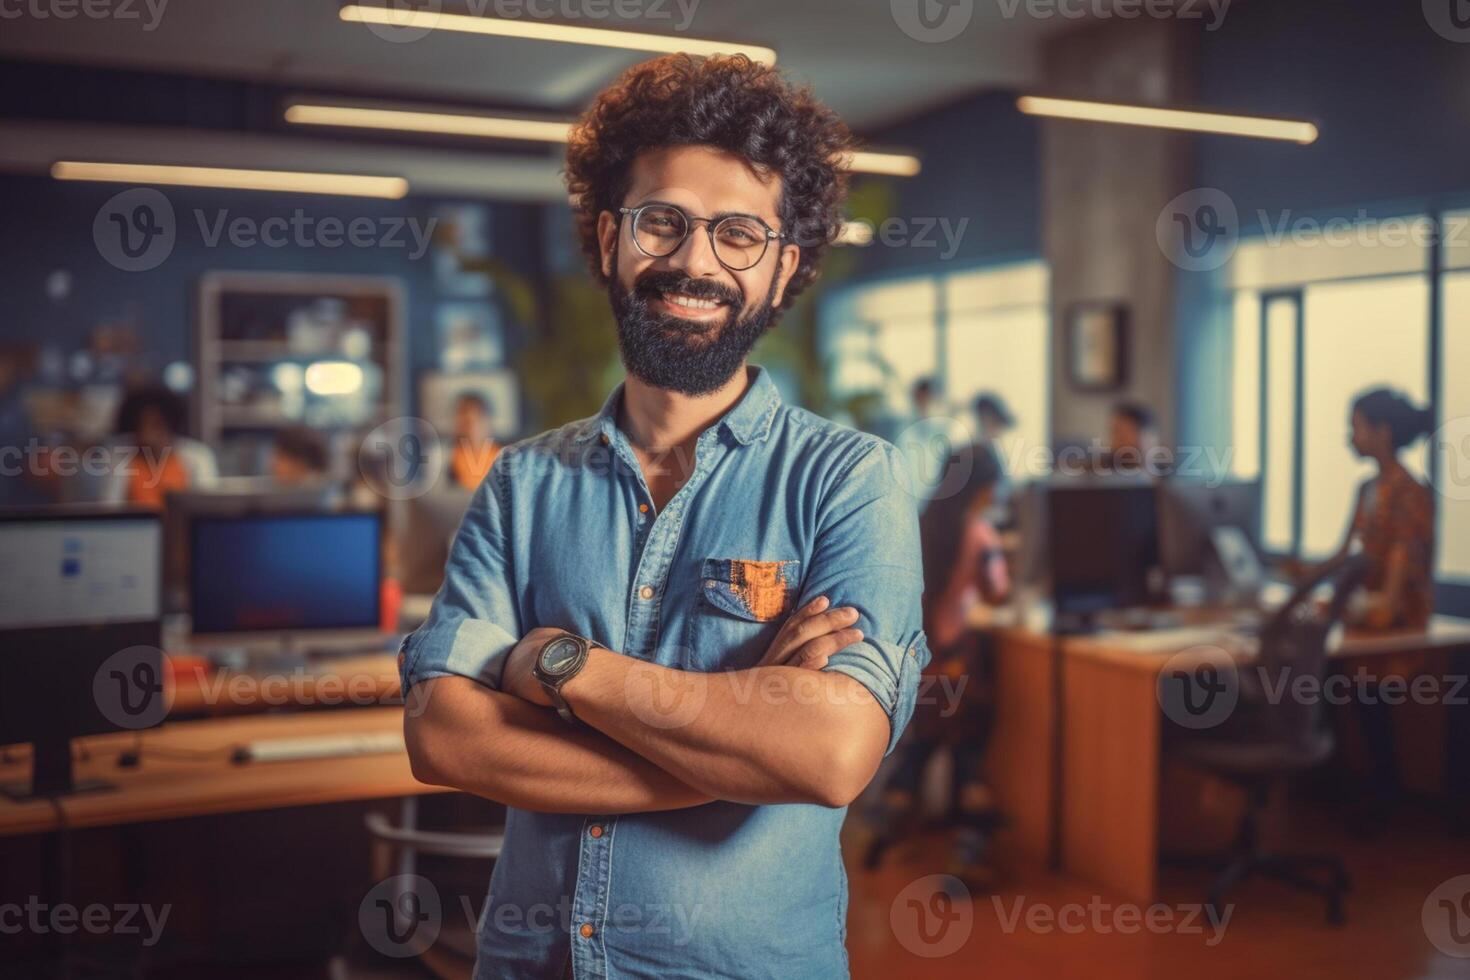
x=319, y=747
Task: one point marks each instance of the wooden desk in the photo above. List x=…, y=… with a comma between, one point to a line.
x=166, y=788
x=1109, y=808
x=363, y=681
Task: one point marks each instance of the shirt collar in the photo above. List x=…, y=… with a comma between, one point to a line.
x=748, y=421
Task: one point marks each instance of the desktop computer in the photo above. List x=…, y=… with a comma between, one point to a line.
x=1212, y=532
x=273, y=580
x=1102, y=549
x=80, y=608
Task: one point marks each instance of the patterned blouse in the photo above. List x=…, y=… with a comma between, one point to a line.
x=1396, y=510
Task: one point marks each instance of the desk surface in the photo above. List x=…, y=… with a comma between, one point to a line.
x=170, y=787
x=362, y=681
x=1146, y=649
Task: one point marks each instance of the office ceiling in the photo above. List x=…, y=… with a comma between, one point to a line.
x=852, y=52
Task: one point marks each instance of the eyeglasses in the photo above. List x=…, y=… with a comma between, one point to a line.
x=739, y=241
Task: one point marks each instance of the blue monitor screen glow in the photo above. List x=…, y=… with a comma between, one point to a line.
x=263, y=573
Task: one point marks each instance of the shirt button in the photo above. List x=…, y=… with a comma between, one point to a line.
x=603, y=437
x=642, y=508
x=586, y=930
x=596, y=830
x=646, y=592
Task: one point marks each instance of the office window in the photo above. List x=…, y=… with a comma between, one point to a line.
x=1245, y=383
x=978, y=330
x=1452, y=463
x=1358, y=335
x=1279, y=321
x=881, y=338
x=1316, y=324
x=997, y=339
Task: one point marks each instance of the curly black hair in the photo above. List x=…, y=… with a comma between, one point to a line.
x=727, y=102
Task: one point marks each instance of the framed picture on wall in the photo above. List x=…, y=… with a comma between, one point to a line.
x=1097, y=346
x=438, y=393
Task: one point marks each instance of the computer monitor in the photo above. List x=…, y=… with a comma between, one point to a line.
x=1192, y=516
x=266, y=576
x=423, y=544
x=229, y=497
x=1103, y=548
x=1190, y=510
x=79, y=634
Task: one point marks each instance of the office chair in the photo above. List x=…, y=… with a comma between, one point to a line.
x=1266, y=740
x=396, y=850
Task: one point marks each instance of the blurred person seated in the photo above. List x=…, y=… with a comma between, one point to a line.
x=934, y=435
x=475, y=447
x=1133, y=442
x=963, y=565
x=995, y=420
x=299, y=458
x=152, y=456
x=1393, y=517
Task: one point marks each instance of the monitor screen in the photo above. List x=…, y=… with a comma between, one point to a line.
x=1103, y=542
x=283, y=572
x=79, y=571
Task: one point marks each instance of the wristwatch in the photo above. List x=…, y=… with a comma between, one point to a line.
x=558, y=661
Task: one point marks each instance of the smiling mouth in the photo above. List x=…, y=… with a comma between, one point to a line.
x=691, y=307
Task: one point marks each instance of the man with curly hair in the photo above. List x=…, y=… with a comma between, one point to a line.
x=677, y=638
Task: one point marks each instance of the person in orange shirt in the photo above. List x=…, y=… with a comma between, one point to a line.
x=152, y=456
x=475, y=447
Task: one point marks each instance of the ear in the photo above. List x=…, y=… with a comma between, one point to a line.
x=790, y=256
x=607, y=237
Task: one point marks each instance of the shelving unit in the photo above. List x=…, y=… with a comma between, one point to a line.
x=259, y=336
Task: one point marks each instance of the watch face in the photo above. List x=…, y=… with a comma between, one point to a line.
x=559, y=655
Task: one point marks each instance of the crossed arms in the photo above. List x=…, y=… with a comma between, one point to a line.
x=809, y=724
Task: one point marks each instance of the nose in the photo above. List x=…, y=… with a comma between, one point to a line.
x=697, y=254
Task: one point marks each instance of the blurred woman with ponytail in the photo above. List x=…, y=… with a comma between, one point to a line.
x=1393, y=519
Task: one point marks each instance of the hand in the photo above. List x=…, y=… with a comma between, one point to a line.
x=517, y=678
x=811, y=635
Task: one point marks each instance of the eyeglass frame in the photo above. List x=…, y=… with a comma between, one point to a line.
x=709, y=229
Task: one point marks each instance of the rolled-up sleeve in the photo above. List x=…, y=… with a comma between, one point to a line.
x=473, y=623
x=866, y=555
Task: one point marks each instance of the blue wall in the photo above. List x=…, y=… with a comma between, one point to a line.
x=981, y=162
x=48, y=227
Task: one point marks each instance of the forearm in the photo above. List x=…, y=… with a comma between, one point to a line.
x=467, y=736
x=763, y=735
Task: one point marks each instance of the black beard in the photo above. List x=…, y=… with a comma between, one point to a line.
x=672, y=353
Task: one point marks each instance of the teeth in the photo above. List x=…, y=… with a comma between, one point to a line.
x=690, y=302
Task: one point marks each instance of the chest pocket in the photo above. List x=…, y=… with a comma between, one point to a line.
x=742, y=605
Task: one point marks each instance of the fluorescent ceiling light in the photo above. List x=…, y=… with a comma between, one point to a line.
x=350, y=185
x=531, y=30
x=891, y=164
x=417, y=121
x=512, y=128
x=1198, y=122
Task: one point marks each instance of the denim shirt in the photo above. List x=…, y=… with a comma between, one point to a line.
x=782, y=506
